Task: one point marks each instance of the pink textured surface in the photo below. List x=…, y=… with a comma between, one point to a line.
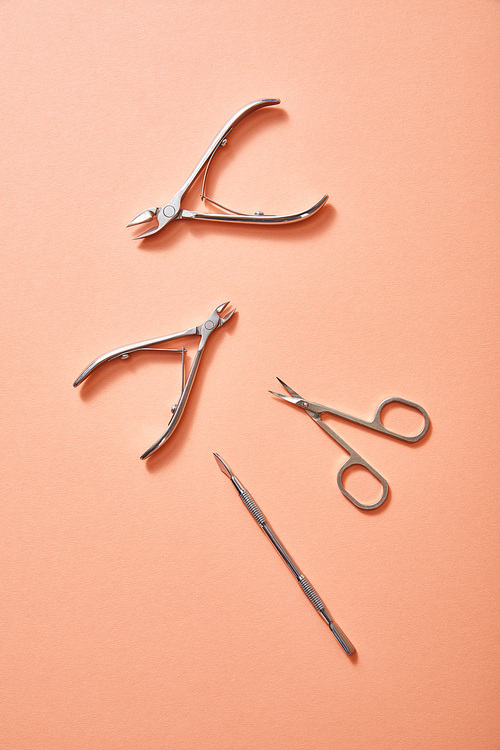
x=142, y=609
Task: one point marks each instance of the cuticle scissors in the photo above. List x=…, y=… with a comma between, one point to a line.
x=315, y=411
x=204, y=330
x=173, y=210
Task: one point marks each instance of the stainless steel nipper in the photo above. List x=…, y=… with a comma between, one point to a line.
x=163, y=215
x=204, y=331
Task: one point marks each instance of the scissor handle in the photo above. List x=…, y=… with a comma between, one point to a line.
x=377, y=421
x=356, y=460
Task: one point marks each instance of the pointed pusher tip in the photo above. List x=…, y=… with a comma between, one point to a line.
x=223, y=466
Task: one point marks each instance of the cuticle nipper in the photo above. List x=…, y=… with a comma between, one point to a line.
x=204, y=330
x=173, y=210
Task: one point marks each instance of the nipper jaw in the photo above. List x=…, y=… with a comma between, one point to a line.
x=214, y=321
x=163, y=215
x=204, y=330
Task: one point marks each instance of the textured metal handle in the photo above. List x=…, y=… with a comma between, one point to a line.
x=311, y=593
x=319, y=605
x=253, y=507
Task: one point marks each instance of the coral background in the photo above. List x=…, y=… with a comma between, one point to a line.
x=141, y=607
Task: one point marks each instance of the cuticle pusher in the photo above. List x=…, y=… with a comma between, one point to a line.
x=304, y=584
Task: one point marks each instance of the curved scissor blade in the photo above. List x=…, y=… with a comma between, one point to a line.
x=293, y=398
x=288, y=389
x=280, y=395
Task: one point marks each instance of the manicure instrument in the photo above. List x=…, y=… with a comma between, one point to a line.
x=316, y=411
x=304, y=584
x=204, y=331
x=163, y=215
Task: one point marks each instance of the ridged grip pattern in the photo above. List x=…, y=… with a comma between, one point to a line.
x=311, y=593
x=253, y=507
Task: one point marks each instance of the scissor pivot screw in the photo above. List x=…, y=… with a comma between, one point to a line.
x=209, y=325
x=169, y=211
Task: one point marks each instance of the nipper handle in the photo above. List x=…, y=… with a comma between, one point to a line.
x=125, y=351
x=223, y=133
x=257, y=218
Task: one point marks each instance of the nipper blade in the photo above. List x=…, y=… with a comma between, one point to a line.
x=228, y=316
x=148, y=215
x=148, y=233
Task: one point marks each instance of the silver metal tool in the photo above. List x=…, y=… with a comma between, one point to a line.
x=163, y=215
x=315, y=411
x=304, y=584
x=204, y=330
